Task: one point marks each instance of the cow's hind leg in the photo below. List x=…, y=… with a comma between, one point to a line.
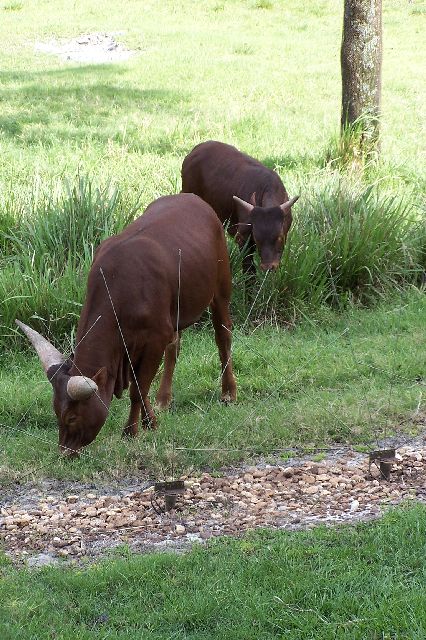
x=171, y=354
x=222, y=327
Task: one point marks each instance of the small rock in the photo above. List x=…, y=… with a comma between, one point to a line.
x=311, y=489
x=354, y=505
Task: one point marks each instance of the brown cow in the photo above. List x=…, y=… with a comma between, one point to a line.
x=244, y=192
x=145, y=285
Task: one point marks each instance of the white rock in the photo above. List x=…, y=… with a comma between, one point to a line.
x=354, y=505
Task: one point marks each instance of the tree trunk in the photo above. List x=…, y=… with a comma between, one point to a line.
x=361, y=62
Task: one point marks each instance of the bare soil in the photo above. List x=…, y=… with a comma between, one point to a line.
x=91, y=48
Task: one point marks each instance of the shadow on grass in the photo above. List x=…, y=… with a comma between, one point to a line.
x=79, y=103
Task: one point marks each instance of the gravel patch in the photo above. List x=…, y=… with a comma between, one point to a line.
x=41, y=524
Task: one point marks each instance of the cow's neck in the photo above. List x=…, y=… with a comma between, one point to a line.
x=97, y=347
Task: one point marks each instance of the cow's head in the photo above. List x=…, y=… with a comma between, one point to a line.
x=80, y=403
x=268, y=226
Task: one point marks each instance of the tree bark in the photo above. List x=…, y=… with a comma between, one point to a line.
x=361, y=63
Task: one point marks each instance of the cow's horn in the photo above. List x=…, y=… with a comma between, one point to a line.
x=47, y=353
x=246, y=205
x=81, y=388
x=290, y=203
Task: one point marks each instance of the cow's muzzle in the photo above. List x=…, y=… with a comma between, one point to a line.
x=269, y=266
x=68, y=452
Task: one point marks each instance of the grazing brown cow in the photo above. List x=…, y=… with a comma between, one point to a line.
x=145, y=285
x=244, y=192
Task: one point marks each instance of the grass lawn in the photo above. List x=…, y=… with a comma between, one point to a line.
x=262, y=75
x=354, y=583
x=351, y=378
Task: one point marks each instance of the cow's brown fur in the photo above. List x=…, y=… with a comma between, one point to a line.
x=216, y=172
x=141, y=269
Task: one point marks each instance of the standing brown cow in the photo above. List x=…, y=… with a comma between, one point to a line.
x=244, y=192
x=145, y=285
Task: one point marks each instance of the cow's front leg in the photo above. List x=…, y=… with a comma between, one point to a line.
x=131, y=427
x=164, y=393
x=145, y=372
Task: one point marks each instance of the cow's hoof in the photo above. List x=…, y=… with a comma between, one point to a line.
x=149, y=423
x=129, y=432
x=162, y=403
x=227, y=398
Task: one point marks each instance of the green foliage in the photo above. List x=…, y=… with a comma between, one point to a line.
x=48, y=249
x=359, y=229
x=346, y=244
x=356, y=147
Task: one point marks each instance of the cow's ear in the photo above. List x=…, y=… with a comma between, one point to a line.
x=253, y=199
x=244, y=210
x=244, y=218
x=101, y=377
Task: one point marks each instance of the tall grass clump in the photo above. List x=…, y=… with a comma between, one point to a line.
x=356, y=147
x=346, y=244
x=47, y=249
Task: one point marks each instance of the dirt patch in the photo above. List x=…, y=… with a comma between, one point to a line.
x=92, y=48
x=44, y=523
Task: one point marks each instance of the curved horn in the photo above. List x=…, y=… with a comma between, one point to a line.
x=246, y=205
x=286, y=205
x=47, y=353
x=81, y=388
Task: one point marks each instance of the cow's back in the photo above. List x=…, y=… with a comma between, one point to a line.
x=174, y=250
x=216, y=172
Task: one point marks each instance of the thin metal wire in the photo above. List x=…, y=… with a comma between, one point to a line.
x=206, y=449
x=33, y=435
x=277, y=389
x=255, y=300
x=178, y=296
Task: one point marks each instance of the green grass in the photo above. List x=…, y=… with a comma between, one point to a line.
x=348, y=379
x=124, y=129
x=263, y=75
x=358, y=583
